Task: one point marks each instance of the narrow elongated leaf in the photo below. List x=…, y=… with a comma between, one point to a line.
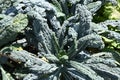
x=93, y=7
x=86, y=71
x=51, y=58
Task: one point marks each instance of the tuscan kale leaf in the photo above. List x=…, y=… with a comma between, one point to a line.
x=65, y=37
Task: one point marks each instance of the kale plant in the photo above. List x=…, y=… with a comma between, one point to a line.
x=107, y=11
x=64, y=36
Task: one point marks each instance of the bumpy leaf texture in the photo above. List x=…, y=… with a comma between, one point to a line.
x=11, y=26
x=61, y=30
